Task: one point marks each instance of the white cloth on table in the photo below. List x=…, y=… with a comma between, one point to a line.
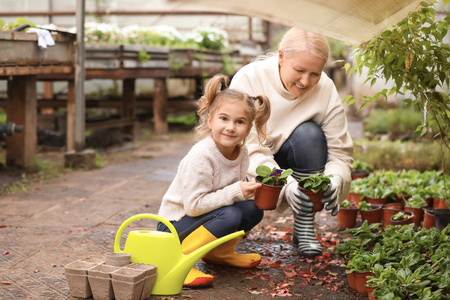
x=44, y=37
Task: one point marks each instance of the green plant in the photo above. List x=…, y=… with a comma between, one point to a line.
x=400, y=216
x=315, y=182
x=359, y=165
x=415, y=201
x=365, y=206
x=143, y=56
x=414, y=56
x=274, y=177
x=347, y=204
x=363, y=262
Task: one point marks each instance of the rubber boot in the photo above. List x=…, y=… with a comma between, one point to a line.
x=305, y=236
x=225, y=255
x=196, y=239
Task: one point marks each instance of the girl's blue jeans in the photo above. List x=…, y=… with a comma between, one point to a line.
x=242, y=215
x=305, y=151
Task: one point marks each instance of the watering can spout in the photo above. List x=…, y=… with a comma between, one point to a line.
x=194, y=256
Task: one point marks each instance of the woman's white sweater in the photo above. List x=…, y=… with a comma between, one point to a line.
x=321, y=104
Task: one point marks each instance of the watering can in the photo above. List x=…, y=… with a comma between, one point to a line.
x=163, y=249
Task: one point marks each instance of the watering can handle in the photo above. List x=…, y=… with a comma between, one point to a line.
x=139, y=217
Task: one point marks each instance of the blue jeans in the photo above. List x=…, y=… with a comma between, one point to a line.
x=305, y=151
x=242, y=215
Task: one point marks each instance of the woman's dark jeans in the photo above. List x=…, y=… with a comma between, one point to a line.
x=305, y=151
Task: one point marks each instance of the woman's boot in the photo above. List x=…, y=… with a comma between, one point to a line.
x=304, y=233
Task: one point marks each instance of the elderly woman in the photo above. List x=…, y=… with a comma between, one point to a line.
x=307, y=127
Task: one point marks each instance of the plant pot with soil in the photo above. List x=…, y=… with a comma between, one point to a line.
x=314, y=185
x=372, y=213
x=361, y=265
x=389, y=210
x=272, y=180
x=347, y=214
x=402, y=218
x=361, y=169
x=416, y=204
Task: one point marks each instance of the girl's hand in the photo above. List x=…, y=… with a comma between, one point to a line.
x=248, y=188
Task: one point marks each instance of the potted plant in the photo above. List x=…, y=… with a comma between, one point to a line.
x=371, y=213
x=272, y=180
x=314, y=185
x=416, y=204
x=361, y=265
x=389, y=210
x=347, y=214
x=361, y=169
x=402, y=218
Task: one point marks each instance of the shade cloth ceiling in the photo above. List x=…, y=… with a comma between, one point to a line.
x=353, y=21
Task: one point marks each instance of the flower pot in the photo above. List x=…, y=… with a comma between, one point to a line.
x=351, y=280
x=429, y=202
x=380, y=201
x=266, y=197
x=436, y=203
x=428, y=219
x=360, y=280
x=352, y=197
x=372, y=216
x=315, y=199
x=406, y=221
x=360, y=174
x=117, y=259
x=77, y=278
x=389, y=210
x=347, y=217
x=441, y=204
x=100, y=281
x=442, y=218
x=128, y=283
x=370, y=290
x=150, y=277
x=417, y=215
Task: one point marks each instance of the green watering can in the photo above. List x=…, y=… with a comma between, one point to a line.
x=163, y=249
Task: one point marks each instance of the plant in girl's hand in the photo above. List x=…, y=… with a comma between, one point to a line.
x=274, y=177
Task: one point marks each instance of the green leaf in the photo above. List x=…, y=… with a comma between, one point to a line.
x=263, y=171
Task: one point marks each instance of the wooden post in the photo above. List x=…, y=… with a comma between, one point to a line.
x=21, y=109
x=80, y=118
x=160, y=106
x=70, y=131
x=129, y=103
x=48, y=90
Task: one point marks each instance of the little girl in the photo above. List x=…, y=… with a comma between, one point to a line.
x=208, y=198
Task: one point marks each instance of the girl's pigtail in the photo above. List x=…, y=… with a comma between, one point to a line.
x=214, y=86
x=262, y=105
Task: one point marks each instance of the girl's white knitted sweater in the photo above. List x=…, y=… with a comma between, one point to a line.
x=205, y=181
x=321, y=105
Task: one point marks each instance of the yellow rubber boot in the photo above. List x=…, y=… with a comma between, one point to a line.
x=225, y=255
x=198, y=238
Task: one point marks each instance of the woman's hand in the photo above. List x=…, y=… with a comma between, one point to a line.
x=248, y=188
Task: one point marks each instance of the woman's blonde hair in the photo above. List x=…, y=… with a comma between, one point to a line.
x=217, y=92
x=298, y=40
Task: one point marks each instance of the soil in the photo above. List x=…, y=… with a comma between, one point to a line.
x=53, y=221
